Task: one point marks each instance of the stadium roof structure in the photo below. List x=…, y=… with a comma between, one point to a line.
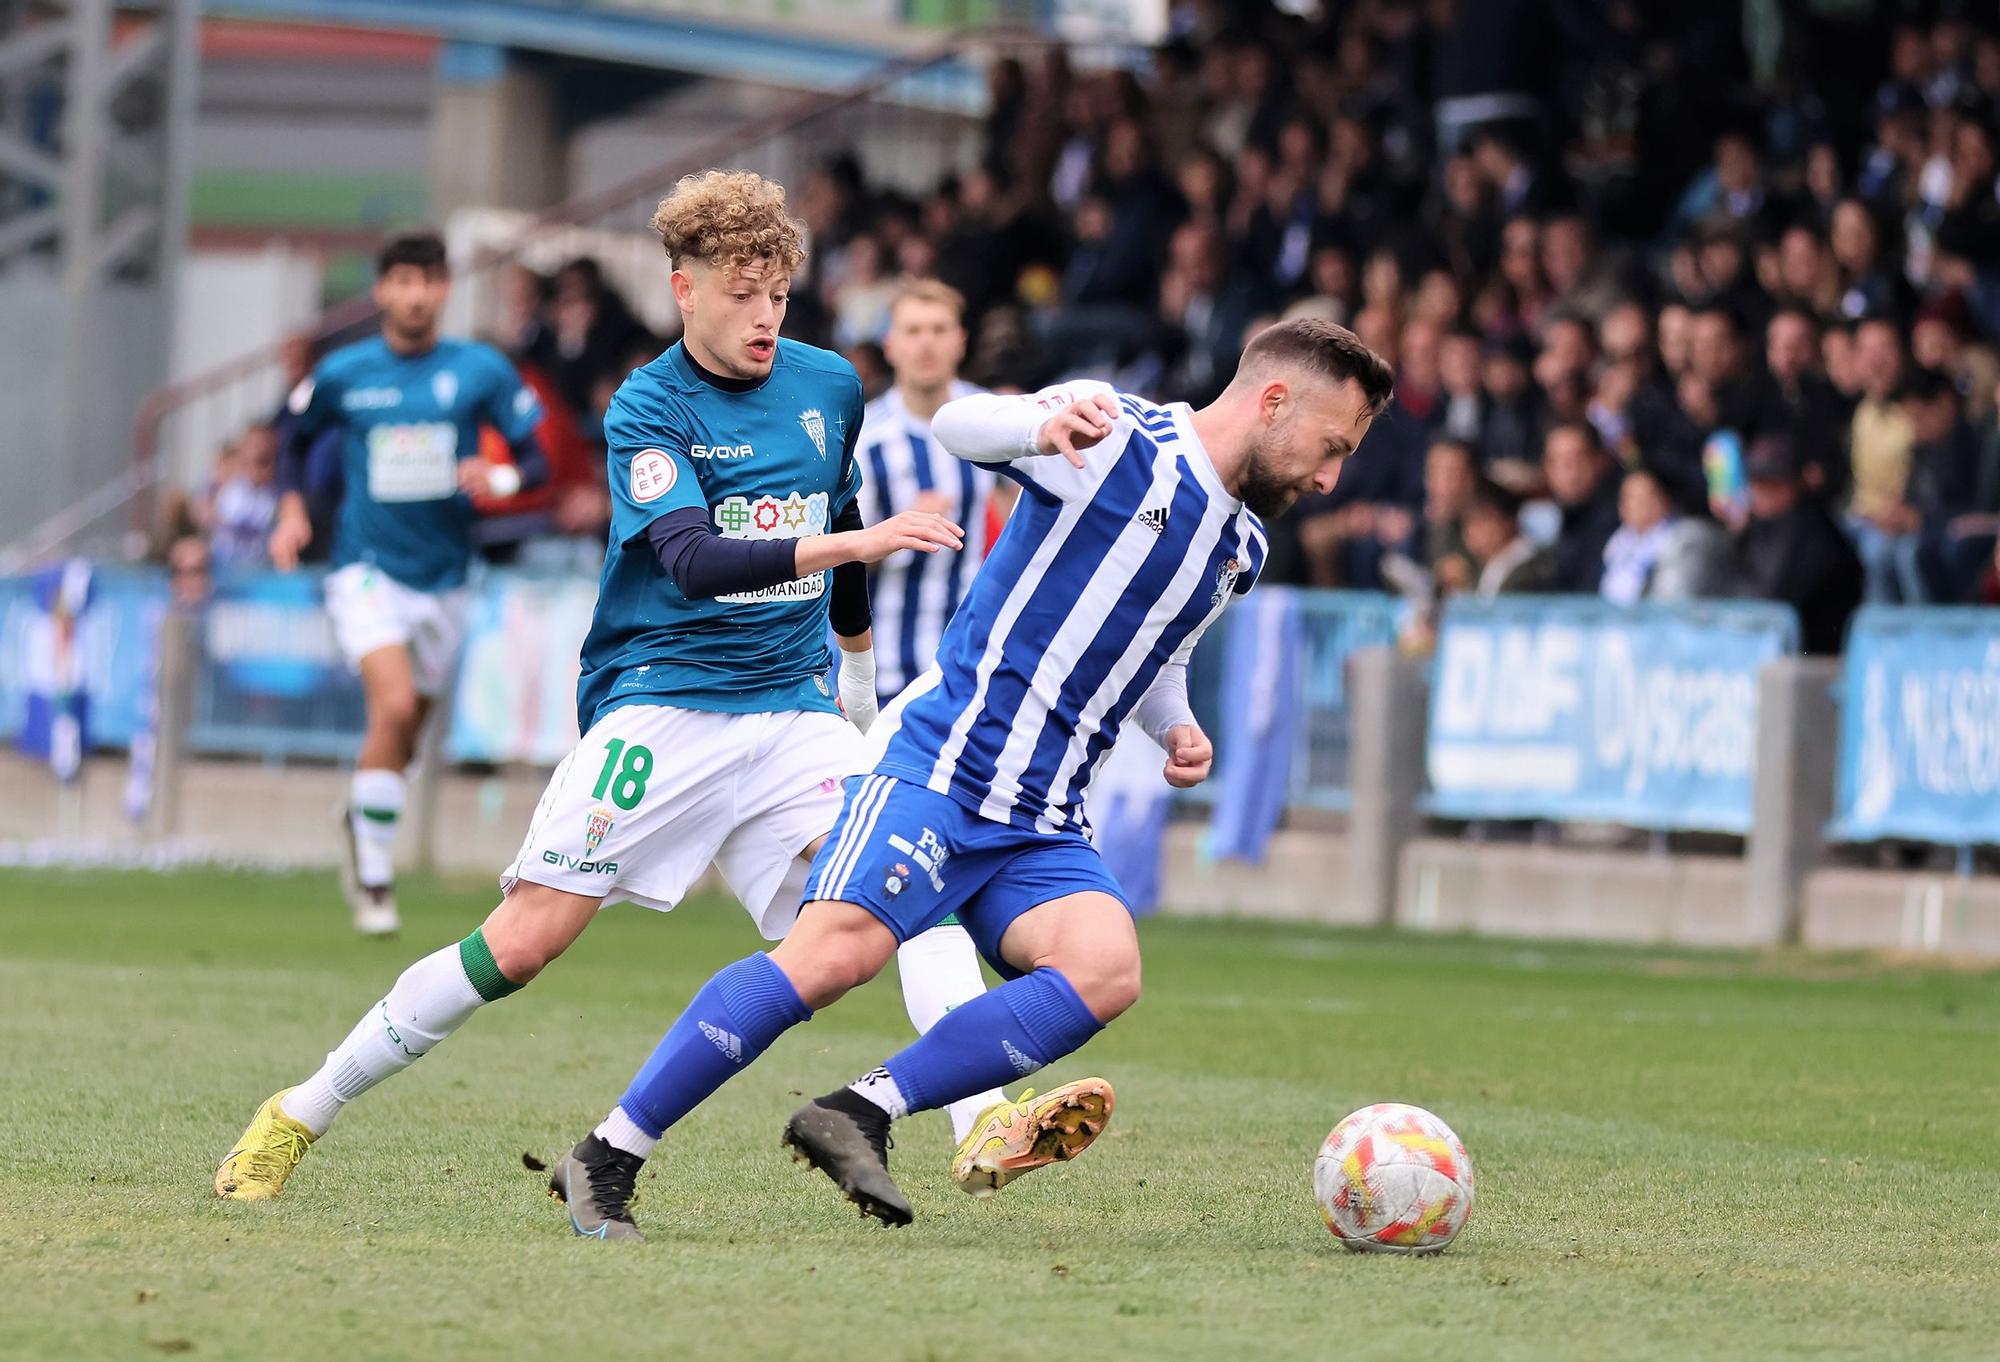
x=801, y=56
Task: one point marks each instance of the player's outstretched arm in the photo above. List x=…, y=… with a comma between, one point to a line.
x=924, y=531
x=703, y=563
x=991, y=428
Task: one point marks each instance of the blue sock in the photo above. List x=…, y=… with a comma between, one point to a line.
x=1003, y=1034
x=730, y=1022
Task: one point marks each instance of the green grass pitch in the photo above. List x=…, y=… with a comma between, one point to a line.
x=1680, y=1155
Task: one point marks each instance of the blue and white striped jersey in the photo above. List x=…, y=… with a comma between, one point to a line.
x=913, y=594
x=1103, y=576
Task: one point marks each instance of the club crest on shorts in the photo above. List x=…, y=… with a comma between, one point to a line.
x=899, y=879
x=815, y=425
x=596, y=829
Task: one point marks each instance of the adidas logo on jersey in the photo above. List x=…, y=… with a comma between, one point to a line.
x=723, y=1041
x=1024, y=1063
x=1153, y=518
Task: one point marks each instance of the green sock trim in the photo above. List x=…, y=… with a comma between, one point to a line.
x=477, y=961
x=380, y=815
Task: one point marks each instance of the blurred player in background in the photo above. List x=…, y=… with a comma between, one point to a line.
x=710, y=733
x=1138, y=525
x=409, y=405
x=904, y=468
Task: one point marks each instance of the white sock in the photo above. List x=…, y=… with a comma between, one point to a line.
x=375, y=804
x=428, y=1002
x=622, y=1132
x=940, y=970
x=878, y=1087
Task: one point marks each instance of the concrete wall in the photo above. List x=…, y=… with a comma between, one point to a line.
x=37, y=478
x=286, y=816
x=1306, y=877
x=1897, y=911
x=1566, y=892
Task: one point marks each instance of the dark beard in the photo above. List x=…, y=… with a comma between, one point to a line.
x=1263, y=493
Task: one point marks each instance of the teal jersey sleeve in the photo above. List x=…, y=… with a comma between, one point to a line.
x=850, y=465
x=510, y=405
x=315, y=402
x=647, y=461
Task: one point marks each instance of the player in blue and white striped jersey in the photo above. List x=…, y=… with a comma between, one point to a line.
x=1137, y=525
x=904, y=468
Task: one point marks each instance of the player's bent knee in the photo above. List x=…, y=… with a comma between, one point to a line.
x=1108, y=988
x=395, y=711
x=835, y=947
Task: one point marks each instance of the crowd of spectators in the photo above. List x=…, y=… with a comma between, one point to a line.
x=1680, y=305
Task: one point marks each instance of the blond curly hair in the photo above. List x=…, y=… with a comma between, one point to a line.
x=728, y=218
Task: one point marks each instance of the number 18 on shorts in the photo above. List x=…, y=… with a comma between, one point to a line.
x=654, y=794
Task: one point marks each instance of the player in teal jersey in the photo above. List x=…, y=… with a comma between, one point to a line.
x=710, y=732
x=408, y=405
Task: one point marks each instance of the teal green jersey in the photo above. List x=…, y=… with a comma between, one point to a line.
x=406, y=421
x=773, y=462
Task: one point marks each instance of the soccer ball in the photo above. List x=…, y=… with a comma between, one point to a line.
x=1393, y=1179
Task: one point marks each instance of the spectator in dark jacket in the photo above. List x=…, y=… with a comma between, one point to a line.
x=1794, y=399
x=1579, y=478
x=1791, y=549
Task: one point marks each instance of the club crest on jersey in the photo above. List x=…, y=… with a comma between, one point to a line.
x=444, y=387
x=595, y=830
x=815, y=425
x=1225, y=581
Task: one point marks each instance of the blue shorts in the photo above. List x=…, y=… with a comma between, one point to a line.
x=913, y=857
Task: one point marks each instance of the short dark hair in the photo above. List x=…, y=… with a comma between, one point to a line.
x=1927, y=385
x=1329, y=350
x=423, y=249
x=1494, y=499
x=1452, y=442
x=1799, y=310
x=1591, y=439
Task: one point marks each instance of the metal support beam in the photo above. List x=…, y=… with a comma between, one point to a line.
x=96, y=114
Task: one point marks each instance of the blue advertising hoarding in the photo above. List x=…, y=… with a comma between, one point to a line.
x=1920, y=728
x=269, y=678
x=116, y=636
x=1571, y=708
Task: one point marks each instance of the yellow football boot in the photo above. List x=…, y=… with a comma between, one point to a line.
x=265, y=1155
x=1012, y=1138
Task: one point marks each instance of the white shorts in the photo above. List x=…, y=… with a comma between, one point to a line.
x=372, y=610
x=746, y=792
